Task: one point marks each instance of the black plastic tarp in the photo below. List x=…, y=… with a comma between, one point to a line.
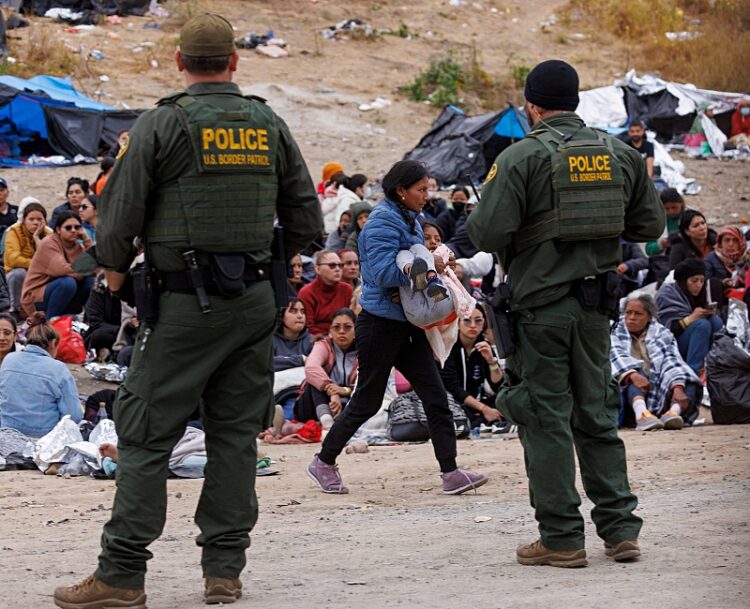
x=106, y=7
x=73, y=131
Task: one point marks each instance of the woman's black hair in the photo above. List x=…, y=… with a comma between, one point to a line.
x=282, y=310
x=84, y=184
x=9, y=318
x=93, y=199
x=339, y=178
x=34, y=207
x=671, y=195
x=461, y=188
x=403, y=174
x=426, y=223
x=687, y=218
x=63, y=216
x=356, y=181
x=344, y=311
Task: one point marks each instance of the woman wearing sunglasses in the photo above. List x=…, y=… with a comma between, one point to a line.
x=386, y=339
x=326, y=294
x=51, y=285
x=89, y=216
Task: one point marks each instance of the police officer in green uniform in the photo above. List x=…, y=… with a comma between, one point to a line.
x=554, y=208
x=201, y=180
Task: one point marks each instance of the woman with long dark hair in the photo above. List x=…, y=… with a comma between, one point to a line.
x=385, y=339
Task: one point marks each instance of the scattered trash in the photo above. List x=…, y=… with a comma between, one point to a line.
x=290, y=502
x=10, y=60
x=63, y=14
x=271, y=51
x=14, y=21
x=152, y=25
x=358, y=447
x=355, y=583
x=114, y=35
x=343, y=30
x=96, y=54
x=104, y=78
x=456, y=2
x=377, y=104
x=114, y=19
x=682, y=36
x=427, y=489
x=107, y=372
x=154, y=64
x=252, y=40
x=479, y=519
x=156, y=10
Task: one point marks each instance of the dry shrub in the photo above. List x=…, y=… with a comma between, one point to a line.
x=713, y=57
x=181, y=11
x=44, y=54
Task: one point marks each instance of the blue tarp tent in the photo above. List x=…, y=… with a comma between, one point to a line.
x=462, y=148
x=45, y=115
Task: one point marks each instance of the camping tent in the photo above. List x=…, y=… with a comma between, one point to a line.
x=461, y=148
x=45, y=115
x=668, y=108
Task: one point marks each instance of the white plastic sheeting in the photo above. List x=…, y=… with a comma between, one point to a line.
x=603, y=107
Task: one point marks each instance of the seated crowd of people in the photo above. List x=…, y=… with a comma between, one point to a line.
x=658, y=352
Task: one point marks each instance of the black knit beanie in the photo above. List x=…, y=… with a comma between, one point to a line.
x=689, y=268
x=553, y=85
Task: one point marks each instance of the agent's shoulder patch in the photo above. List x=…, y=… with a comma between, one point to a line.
x=491, y=174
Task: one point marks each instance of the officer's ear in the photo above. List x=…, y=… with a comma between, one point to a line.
x=233, y=61
x=178, y=60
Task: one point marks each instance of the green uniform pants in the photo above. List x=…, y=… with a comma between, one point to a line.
x=568, y=401
x=224, y=357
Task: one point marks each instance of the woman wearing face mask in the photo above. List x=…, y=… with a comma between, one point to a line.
x=51, y=284
x=385, y=339
x=330, y=373
x=448, y=220
x=75, y=193
x=435, y=205
x=697, y=240
x=683, y=308
x=740, y=133
x=21, y=243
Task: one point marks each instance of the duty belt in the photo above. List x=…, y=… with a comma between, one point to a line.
x=179, y=281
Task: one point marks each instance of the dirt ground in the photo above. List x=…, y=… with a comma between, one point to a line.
x=396, y=541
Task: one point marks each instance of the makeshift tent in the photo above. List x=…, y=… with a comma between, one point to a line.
x=45, y=115
x=462, y=148
x=668, y=108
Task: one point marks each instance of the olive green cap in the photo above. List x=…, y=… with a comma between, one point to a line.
x=207, y=35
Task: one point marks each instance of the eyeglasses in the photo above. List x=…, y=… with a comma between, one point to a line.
x=6, y=332
x=332, y=265
x=344, y=327
x=85, y=206
x=478, y=321
x=72, y=227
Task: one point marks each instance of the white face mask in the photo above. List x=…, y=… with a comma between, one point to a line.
x=745, y=111
x=431, y=194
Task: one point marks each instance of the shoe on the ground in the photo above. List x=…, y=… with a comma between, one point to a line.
x=535, y=554
x=222, y=590
x=623, y=551
x=672, y=421
x=505, y=430
x=648, y=422
x=278, y=419
x=93, y=593
x=436, y=290
x=418, y=274
x=483, y=428
x=326, y=476
x=460, y=480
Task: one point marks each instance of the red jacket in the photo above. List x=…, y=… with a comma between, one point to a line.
x=740, y=124
x=322, y=301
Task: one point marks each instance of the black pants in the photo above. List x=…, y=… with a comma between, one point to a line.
x=381, y=344
x=102, y=337
x=306, y=405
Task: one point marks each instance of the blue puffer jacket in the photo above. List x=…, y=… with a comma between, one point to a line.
x=384, y=235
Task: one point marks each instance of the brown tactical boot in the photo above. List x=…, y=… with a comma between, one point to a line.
x=222, y=590
x=535, y=554
x=623, y=551
x=92, y=593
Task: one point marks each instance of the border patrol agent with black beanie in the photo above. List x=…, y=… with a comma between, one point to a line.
x=554, y=207
x=200, y=181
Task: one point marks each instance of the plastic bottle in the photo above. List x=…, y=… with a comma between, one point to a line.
x=102, y=414
x=474, y=433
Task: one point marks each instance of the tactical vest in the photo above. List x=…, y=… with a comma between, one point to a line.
x=226, y=202
x=588, y=196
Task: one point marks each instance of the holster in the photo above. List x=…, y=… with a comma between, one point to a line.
x=504, y=326
x=145, y=292
x=599, y=293
x=228, y=272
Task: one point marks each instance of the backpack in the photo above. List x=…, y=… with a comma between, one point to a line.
x=407, y=421
x=728, y=379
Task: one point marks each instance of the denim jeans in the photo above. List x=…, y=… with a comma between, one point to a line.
x=696, y=340
x=381, y=344
x=65, y=296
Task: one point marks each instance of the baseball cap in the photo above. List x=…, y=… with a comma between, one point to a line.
x=207, y=35
x=3, y=183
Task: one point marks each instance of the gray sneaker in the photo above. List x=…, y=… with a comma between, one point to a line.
x=460, y=480
x=672, y=421
x=326, y=476
x=648, y=423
